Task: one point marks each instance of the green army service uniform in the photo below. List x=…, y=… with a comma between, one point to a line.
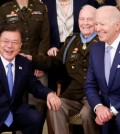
x=73, y=98
x=76, y=64
x=33, y=22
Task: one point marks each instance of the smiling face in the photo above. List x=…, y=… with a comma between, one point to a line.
x=10, y=44
x=86, y=21
x=106, y=26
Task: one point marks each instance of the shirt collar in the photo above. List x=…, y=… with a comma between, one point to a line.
x=5, y=62
x=115, y=43
x=87, y=40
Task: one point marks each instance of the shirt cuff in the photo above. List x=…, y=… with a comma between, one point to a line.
x=114, y=111
x=96, y=107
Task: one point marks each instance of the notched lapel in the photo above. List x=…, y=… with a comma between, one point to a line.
x=18, y=71
x=115, y=66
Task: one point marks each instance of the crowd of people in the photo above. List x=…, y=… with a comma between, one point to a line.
x=78, y=41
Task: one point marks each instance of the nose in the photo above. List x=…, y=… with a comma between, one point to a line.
x=9, y=44
x=97, y=28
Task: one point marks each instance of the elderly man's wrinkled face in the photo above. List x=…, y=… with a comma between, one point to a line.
x=87, y=22
x=105, y=27
x=10, y=44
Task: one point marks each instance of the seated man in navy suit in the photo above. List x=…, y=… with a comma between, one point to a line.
x=103, y=79
x=16, y=76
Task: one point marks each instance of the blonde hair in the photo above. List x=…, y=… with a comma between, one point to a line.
x=102, y=2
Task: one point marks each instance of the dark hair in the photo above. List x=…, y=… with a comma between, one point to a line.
x=12, y=28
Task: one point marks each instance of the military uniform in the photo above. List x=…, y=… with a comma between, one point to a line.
x=76, y=64
x=73, y=98
x=33, y=22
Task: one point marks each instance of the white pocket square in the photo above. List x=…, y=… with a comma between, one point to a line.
x=20, y=67
x=118, y=66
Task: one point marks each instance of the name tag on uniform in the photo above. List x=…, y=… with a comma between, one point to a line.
x=13, y=18
x=73, y=56
x=36, y=12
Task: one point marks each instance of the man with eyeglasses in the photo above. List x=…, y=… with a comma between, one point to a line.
x=16, y=76
x=31, y=16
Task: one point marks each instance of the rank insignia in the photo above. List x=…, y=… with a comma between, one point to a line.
x=75, y=50
x=36, y=12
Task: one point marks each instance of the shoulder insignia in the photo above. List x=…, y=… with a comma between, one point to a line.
x=38, y=1
x=6, y=4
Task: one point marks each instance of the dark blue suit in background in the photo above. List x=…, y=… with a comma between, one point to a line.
x=23, y=113
x=96, y=88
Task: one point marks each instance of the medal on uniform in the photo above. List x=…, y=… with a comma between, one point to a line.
x=84, y=47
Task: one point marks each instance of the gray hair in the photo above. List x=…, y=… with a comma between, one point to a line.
x=89, y=8
x=115, y=13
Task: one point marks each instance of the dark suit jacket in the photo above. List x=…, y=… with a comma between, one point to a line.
x=52, y=14
x=96, y=88
x=24, y=80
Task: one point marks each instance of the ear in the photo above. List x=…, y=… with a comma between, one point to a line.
x=118, y=26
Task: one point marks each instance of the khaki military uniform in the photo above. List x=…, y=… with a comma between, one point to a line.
x=33, y=22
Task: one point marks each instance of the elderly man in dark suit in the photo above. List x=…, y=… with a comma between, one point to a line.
x=16, y=77
x=103, y=80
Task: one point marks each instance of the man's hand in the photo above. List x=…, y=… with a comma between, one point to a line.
x=38, y=73
x=103, y=114
x=53, y=101
x=29, y=57
x=53, y=51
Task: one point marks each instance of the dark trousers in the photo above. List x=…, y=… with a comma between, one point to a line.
x=113, y=126
x=29, y=121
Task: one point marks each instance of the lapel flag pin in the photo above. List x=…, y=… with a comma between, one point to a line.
x=118, y=66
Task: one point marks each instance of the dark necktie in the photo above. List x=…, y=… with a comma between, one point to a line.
x=9, y=119
x=107, y=63
x=24, y=9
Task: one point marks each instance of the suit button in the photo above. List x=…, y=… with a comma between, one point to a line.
x=84, y=61
x=85, y=69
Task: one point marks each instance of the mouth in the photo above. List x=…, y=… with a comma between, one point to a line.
x=9, y=52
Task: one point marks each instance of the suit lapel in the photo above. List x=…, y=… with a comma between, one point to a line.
x=18, y=69
x=101, y=67
x=3, y=79
x=116, y=62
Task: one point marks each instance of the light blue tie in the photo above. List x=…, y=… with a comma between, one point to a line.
x=9, y=119
x=107, y=63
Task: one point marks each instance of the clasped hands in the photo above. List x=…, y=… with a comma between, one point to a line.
x=103, y=114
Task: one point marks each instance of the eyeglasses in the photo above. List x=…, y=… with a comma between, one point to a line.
x=6, y=42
